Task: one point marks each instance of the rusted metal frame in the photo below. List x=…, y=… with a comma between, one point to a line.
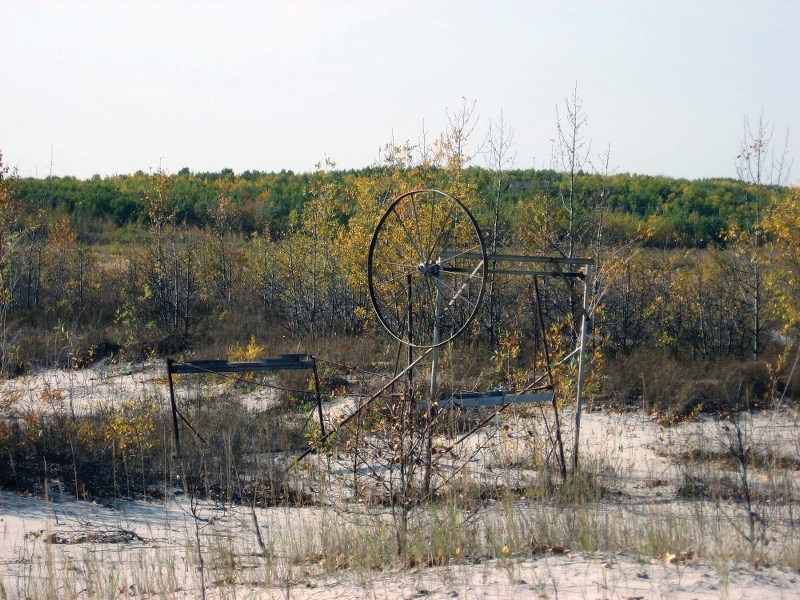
x=175, y=412
x=556, y=262
x=284, y=362
x=581, y=360
x=550, y=384
x=558, y=271
x=555, y=273
x=575, y=274
x=516, y=258
x=170, y=371
x=581, y=350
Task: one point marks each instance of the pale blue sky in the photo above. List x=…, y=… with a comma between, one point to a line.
x=114, y=87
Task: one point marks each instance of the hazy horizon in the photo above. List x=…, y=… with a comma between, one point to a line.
x=111, y=89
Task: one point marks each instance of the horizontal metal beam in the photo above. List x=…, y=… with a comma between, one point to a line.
x=578, y=274
x=501, y=400
x=520, y=259
x=495, y=398
x=279, y=363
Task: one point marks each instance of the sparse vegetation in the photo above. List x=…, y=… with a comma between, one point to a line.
x=693, y=341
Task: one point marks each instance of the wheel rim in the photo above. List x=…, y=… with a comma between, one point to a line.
x=426, y=243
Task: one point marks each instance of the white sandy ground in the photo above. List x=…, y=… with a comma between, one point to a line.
x=108, y=385
x=146, y=549
x=160, y=561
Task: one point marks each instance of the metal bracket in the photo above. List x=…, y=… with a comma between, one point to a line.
x=283, y=362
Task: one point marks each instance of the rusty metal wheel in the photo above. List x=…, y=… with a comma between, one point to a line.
x=427, y=268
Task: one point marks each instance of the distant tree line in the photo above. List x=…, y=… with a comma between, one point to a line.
x=678, y=212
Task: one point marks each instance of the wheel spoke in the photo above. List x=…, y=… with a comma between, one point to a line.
x=398, y=275
x=393, y=300
x=466, y=251
x=458, y=292
x=444, y=234
x=408, y=234
x=416, y=223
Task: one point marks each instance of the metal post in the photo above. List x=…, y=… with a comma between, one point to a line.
x=407, y=404
x=410, y=349
x=174, y=407
x=437, y=316
x=581, y=365
x=319, y=396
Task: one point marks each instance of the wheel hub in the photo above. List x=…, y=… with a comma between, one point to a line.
x=428, y=268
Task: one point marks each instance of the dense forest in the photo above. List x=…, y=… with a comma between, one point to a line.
x=680, y=212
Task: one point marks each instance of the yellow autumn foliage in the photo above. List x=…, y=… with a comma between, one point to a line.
x=783, y=225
